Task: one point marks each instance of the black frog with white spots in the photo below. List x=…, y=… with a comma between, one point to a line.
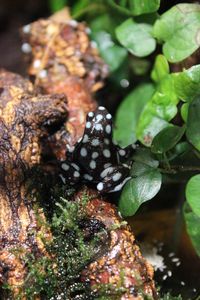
x=95, y=158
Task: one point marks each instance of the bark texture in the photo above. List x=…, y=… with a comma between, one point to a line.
x=23, y=122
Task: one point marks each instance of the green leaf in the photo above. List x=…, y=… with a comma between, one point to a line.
x=128, y=114
x=178, y=28
x=112, y=54
x=184, y=111
x=158, y=111
x=193, y=194
x=87, y=8
x=187, y=83
x=135, y=7
x=79, y=6
x=182, y=148
x=160, y=69
x=193, y=227
x=103, y=22
x=167, y=139
x=139, y=66
x=136, y=37
x=140, y=189
x=56, y=5
x=193, y=123
x=114, y=57
x=145, y=156
x=147, y=18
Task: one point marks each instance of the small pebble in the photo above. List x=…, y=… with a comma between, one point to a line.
x=169, y=273
x=93, y=44
x=26, y=48
x=73, y=23
x=164, y=277
x=124, y=83
x=175, y=259
x=88, y=30
x=26, y=28
x=42, y=74
x=36, y=63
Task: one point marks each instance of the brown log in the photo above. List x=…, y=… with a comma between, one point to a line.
x=23, y=122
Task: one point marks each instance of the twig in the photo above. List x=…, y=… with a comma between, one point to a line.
x=174, y=169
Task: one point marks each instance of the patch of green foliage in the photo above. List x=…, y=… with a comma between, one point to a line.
x=160, y=108
x=75, y=243
x=57, y=276
x=125, y=32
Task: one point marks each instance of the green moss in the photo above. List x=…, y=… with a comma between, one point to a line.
x=168, y=296
x=73, y=246
x=76, y=242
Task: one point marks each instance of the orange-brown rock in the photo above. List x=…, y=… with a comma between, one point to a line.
x=122, y=266
x=63, y=60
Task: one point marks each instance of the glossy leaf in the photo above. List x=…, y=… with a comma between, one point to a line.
x=79, y=6
x=178, y=28
x=103, y=22
x=113, y=54
x=193, y=123
x=193, y=194
x=135, y=7
x=167, y=139
x=139, y=66
x=160, y=69
x=187, y=83
x=158, y=111
x=136, y=37
x=56, y=5
x=140, y=189
x=181, y=148
x=129, y=112
x=184, y=111
x=145, y=156
x=193, y=227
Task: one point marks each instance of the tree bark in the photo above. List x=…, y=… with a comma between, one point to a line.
x=23, y=122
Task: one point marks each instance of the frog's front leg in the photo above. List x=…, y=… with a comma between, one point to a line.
x=123, y=154
x=113, y=178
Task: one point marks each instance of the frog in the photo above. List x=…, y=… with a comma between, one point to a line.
x=96, y=158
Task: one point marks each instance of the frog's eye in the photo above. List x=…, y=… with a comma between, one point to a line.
x=99, y=123
x=96, y=143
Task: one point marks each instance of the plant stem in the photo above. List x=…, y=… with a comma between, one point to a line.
x=90, y=8
x=174, y=169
